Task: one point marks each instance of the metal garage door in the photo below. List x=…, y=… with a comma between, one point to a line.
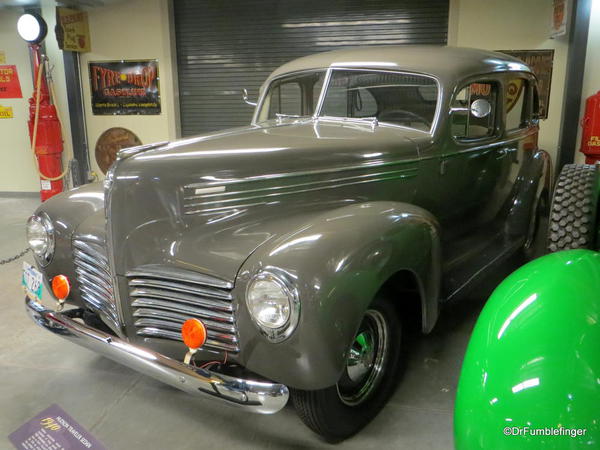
x=225, y=46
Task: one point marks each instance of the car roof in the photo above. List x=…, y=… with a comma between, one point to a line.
x=444, y=62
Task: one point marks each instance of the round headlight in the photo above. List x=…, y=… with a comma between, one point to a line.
x=40, y=236
x=273, y=305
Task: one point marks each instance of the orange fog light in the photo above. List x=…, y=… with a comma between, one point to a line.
x=61, y=287
x=193, y=333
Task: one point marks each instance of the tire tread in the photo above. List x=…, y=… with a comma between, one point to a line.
x=573, y=208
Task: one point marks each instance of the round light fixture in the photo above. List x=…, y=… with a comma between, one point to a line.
x=40, y=235
x=61, y=287
x=273, y=304
x=32, y=28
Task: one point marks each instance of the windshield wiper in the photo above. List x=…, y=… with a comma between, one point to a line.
x=281, y=116
x=374, y=121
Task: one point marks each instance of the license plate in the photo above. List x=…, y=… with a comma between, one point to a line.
x=33, y=282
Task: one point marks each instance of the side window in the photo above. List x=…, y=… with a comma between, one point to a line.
x=467, y=124
x=516, y=104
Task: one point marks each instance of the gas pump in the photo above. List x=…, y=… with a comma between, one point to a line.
x=44, y=122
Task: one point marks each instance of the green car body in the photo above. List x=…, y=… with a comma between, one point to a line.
x=533, y=362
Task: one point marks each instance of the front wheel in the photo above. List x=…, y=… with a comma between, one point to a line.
x=372, y=370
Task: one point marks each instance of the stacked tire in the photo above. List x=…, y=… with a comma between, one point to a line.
x=573, y=213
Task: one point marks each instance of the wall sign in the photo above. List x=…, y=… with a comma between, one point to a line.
x=6, y=112
x=110, y=142
x=9, y=82
x=560, y=14
x=541, y=62
x=2, y=57
x=72, y=31
x=125, y=87
x=53, y=429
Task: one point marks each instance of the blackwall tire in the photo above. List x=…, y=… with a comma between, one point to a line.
x=339, y=411
x=573, y=213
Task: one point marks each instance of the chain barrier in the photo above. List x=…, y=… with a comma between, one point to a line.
x=14, y=258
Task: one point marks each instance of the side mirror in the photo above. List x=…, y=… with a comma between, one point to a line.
x=481, y=108
x=245, y=98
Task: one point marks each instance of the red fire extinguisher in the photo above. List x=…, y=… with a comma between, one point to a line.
x=45, y=132
x=590, y=137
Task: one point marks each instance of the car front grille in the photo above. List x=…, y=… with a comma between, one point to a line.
x=94, y=279
x=163, y=298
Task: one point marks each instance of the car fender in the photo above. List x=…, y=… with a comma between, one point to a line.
x=534, y=178
x=339, y=260
x=533, y=359
x=68, y=211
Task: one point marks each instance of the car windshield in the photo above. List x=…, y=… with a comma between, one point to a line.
x=408, y=100
x=403, y=99
x=292, y=96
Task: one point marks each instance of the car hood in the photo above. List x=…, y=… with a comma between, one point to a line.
x=203, y=203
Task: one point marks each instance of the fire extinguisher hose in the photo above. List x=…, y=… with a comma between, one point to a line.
x=38, y=84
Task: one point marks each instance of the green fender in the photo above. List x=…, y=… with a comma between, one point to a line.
x=534, y=359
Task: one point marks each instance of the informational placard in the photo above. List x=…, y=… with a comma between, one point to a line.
x=125, y=87
x=6, y=112
x=72, y=30
x=9, y=82
x=53, y=429
x=2, y=57
x=541, y=62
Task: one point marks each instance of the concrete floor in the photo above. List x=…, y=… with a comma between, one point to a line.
x=125, y=410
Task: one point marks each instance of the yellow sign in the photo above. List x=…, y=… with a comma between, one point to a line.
x=50, y=424
x=73, y=32
x=514, y=91
x=6, y=112
x=2, y=57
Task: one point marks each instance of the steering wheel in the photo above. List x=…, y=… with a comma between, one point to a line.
x=402, y=116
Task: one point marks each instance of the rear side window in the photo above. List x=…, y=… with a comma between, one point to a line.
x=466, y=124
x=516, y=104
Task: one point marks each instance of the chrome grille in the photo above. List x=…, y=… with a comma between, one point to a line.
x=93, y=276
x=163, y=298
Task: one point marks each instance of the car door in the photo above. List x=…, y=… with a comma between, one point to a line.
x=473, y=163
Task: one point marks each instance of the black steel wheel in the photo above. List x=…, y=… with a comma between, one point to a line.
x=573, y=214
x=371, y=374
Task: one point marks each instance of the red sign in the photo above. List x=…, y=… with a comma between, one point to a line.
x=9, y=82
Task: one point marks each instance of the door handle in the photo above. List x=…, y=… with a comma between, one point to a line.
x=443, y=166
x=501, y=153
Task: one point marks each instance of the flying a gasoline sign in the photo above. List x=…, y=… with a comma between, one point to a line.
x=125, y=87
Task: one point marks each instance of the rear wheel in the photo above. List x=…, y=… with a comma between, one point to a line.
x=369, y=378
x=573, y=214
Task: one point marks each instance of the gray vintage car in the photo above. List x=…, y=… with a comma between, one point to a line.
x=372, y=185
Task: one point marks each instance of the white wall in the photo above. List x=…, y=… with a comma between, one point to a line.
x=137, y=29
x=515, y=25
x=591, y=77
x=17, y=170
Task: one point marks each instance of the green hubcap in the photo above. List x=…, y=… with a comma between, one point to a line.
x=366, y=360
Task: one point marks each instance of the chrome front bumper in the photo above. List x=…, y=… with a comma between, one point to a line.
x=254, y=396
